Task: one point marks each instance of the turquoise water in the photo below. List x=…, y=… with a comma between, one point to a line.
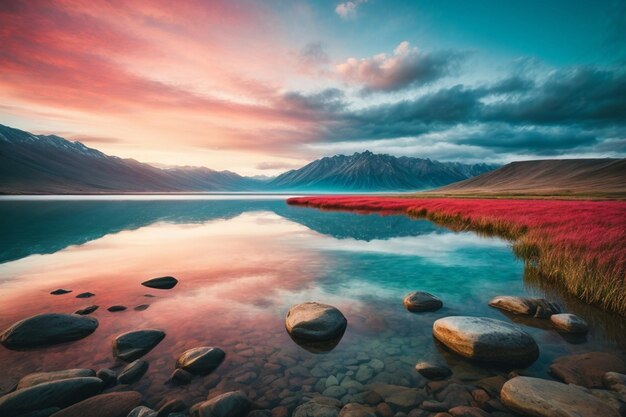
x=242, y=262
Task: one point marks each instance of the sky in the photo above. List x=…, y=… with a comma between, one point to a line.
x=262, y=87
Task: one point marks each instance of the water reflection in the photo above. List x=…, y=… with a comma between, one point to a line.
x=241, y=265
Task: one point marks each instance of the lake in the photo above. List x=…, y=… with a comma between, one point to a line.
x=241, y=262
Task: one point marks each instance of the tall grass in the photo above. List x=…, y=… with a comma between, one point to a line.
x=580, y=245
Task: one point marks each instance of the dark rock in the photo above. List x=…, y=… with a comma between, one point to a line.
x=142, y=307
x=260, y=413
x=543, y=398
x=398, y=397
x=114, y=309
x=37, y=378
x=115, y=404
x=586, y=369
x=230, y=404
x=46, y=412
x=200, y=360
x=280, y=411
x=383, y=410
x=60, y=291
x=434, y=406
x=133, y=345
x=317, y=408
x=61, y=393
x=87, y=310
x=47, y=329
x=432, y=370
x=108, y=376
x=486, y=340
x=133, y=372
x=569, y=323
x=535, y=307
x=142, y=411
x=171, y=406
x=181, y=376
x=372, y=398
x=465, y=411
x=419, y=301
x=162, y=283
x=85, y=295
x=356, y=410
x=315, y=322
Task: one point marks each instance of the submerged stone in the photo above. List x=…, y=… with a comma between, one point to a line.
x=420, y=301
x=114, y=404
x=133, y=372
x=586, y=369
x=230, y=404
x=133, y=345
x=315, y=322
x=200, y=360
x=161, y=283
x=37, y=378
x=486, y=340
x=569, y=323
x=535, y=307
x=47, y=329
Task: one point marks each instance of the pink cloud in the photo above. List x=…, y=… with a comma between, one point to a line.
x=348, y=9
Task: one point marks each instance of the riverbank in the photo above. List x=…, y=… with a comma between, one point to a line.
x=579, y=245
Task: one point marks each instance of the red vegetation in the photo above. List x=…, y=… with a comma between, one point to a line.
x=580, y=244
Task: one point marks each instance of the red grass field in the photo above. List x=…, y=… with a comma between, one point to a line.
x=579, y=244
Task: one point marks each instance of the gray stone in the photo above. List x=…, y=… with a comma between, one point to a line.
x=486, y=340
x=114, y=404
x=543, y=398
x=61, y=393
x=47, y=329
x=535, y=307
x=315, y=322
x=364, y=373
x=133, y=345
x=37, y=378
x=230, y=404
x=133, y=372
x=432, y=370
x=398, y=397
x=420, y=301
x=108, y=376
x=201, y=360
x=317, y=408
x=161, y=283
x=569, y=323
x=356, y=410
x=336, y=391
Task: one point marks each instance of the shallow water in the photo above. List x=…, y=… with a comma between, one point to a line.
x=241, y=264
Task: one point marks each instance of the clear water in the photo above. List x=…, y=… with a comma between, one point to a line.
x=242, y=262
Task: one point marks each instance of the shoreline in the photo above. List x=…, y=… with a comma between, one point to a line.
x=575, y=244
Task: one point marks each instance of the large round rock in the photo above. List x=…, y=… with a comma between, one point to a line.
x=231, y=404
x=419, y=301
x=543, y=398
x=114, y=404
x=47, y=329
x=486, y=340
x=315, y=322
x=200, y=360
x=133, y=345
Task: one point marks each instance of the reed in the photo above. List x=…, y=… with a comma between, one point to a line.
x=580, y=245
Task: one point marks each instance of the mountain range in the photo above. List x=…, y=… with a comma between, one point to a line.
x=50, y=164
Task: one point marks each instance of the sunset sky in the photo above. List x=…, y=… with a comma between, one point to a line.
x=262, y=87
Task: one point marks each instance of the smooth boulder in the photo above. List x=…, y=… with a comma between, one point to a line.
x=569, y=323
x=586, y=369
x=230, y=404
x=535, y=307
x=37, y=378
x=47, y=329
x=161, y=283
x=315, y=322
x=542, y=398
x=133, y=345
x=61, y=393
x=200, y=360
x=420, y=301
x=133, y=372
x=114, y=404
x=486, y=340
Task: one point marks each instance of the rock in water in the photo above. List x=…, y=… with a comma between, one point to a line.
x=586, y=369
x=133, y=372
x=142, y=411
x=201, y=360
x=315, y=322
x=114, y=309
x=543, y=398
x=133, y=345
x=317, y=407
x=162, y=283
x=87, y=310
x=569, y=323
x=61, y=393
x=536, y=307
x=85, y=295
x=433, y=371
x=37, y=378
x=231, y=404
x=486, y=340
x=47, y=329
x=357, y=410
x=114, y=404
x=419, y=301
x=60, y=291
